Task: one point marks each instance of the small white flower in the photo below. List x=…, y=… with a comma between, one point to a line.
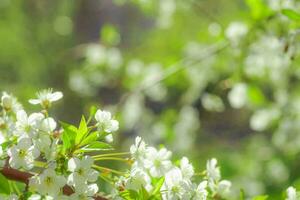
x=28, y=125
x=82, y=171
x=86, y=194
x=10, y=103
x=96, y=54
x=201, y=192
x=48, y=183
x=48, y=125
x=22, y=154
x=105, y=121
x=212, y=103
x=238, y=95
x=43, y=142
x=262, y=119
x=223, y=187
x=186, y=168
x=157, y=162
x=35, y=197
x=291, y=193
x=138, y=150
x=177, y=187
x=138, y=179
x=213, y=172
x=236, y=31
x=46, y=97
x=109, y=138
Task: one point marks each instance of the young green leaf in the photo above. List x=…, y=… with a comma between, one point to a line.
x=258, y=9
x=92, y=137
x=242, y=194
x=291, y=14
x=129, y=195
x=68, y=135
x=82, y=131
x=158, y=186
x=144, y=193
x=263, y=197
x=93, y=110
x=4, y=186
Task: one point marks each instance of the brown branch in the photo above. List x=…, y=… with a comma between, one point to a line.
x=23, y=177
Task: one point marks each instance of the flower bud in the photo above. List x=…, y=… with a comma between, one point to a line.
x=6, y=101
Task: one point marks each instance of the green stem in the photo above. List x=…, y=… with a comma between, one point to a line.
x=111, y=158
x=106, y=179
x=110, y=154
x=107, y=169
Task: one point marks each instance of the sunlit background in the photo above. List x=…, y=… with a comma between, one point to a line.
x=205, y=78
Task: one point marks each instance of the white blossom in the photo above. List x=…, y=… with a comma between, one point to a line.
x=48, y=125
x=200, y=192
x=46, y=97
x=85, y=193
x=138, y=150
x=138, y=179
x=22, y=154
x=105, y=121
x=212, y=102
x=261, y=119
x=238, y=95
x=186, y=168
x=236, y=31
x=48, y=183
x=28, y=124
x=291, y=193
x=157, y=162
x=212, y=170
x=82, y=171
x=177, y=187
x=10, y=103
x=223, y=187
x=109, y=138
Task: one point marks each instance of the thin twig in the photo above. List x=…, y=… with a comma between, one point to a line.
x=23, y=177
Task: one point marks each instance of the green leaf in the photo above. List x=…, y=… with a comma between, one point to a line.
x=242, y=194
x=258, y=9
x=82, y=131
x=4, y=186
x=263, y=197
x=92, y=137
x=68, y=135
x=255, y=95
x=144, y=193
x=93, y=110
x=129, y=195
x=110, y=35
x=291, y=14
x=158, y=186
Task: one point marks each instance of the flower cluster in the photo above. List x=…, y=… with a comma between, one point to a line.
x=59, y=164
x=153, y=171
x=55, y=158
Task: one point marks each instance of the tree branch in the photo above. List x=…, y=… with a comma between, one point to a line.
x=20, y=176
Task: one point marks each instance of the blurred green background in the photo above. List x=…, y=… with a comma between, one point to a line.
x=172, y=72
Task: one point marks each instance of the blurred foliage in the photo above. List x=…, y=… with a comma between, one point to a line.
x=203, y=77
